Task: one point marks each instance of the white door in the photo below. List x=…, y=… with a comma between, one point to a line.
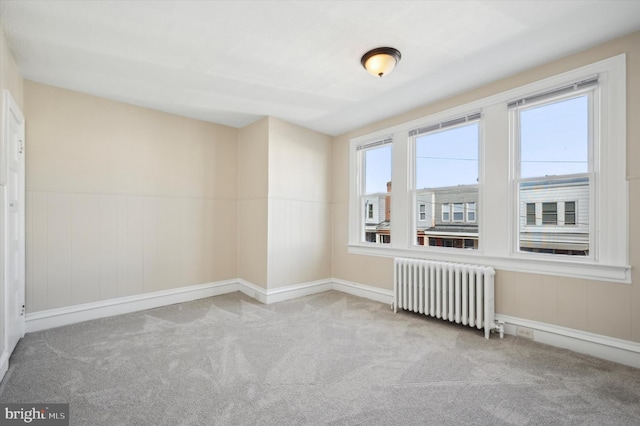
x=14, y=214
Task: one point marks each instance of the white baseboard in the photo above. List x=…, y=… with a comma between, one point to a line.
x=123, y=305
x=283, y=293
x=609, y=348
x=612, y=349
x=291, y=292
x=51, y=318
x=362, y=290
x=298, y=290
x=4, y=364
x=252, y=290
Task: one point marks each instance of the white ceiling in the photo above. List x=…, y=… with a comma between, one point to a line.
x=233, y=62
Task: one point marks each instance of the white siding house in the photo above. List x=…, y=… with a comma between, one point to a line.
x=554, y=216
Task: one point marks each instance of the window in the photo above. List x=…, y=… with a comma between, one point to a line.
x=553, y=213
x=376, y=191
x=446, y=211
x=458, y=212
x=536, y=173
x=554, y=132
x=549, y=213
x=471, y=212
x=570, y=213
x=446, y=172
x=531, y=214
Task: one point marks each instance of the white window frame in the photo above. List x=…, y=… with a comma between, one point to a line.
x=610, y=260
x=461, y=212
x=446, y=210
x=443, y=123
x=575, y=213
x=535, y=215
x=359, y=233
x=594, y=139
x=422, y=212
x=555, y=212
x=474, y=210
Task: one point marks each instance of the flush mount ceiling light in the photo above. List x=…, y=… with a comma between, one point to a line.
x=381, y=61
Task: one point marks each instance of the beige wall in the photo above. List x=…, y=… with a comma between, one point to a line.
x=600, y=307
x=123, y=200
x=10, y=80
x=299, y=247
x=284, y=202
x=253, y=191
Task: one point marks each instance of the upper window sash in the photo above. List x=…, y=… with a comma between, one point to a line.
x=545, y=96
x=548, y=98
x=465, y=119
x=361, y=163
x=374, y=144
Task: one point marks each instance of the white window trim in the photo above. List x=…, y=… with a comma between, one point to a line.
x=611, y=259
x=535, y=215
x=594, y=142
x=369, y=212
x=357, y=192
x=575, y=213
x=447, y=211
x=422, y=212
x=467, y=211
x=461, y=212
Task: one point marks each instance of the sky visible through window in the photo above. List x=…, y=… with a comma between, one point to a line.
x=377, y=169
x=553, y=141
x=554, y=138
x=447, y=158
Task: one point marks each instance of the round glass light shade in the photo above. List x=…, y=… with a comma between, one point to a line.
x=381, y=61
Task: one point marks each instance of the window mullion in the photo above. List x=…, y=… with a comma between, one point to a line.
x=401, y=211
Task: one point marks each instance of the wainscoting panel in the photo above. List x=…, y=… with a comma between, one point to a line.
x=299, y=241
x=84, y=248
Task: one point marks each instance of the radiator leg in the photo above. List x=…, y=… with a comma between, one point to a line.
x=499, y=327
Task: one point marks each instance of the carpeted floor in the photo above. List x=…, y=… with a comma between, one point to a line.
x=328, y=359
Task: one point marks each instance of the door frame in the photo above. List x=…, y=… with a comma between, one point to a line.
x=12, y=111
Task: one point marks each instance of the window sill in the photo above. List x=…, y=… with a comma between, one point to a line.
x=585, y=269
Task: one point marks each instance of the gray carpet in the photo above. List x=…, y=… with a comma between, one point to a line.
x=329, y=359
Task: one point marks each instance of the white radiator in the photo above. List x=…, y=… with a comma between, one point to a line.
x=456, y=292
